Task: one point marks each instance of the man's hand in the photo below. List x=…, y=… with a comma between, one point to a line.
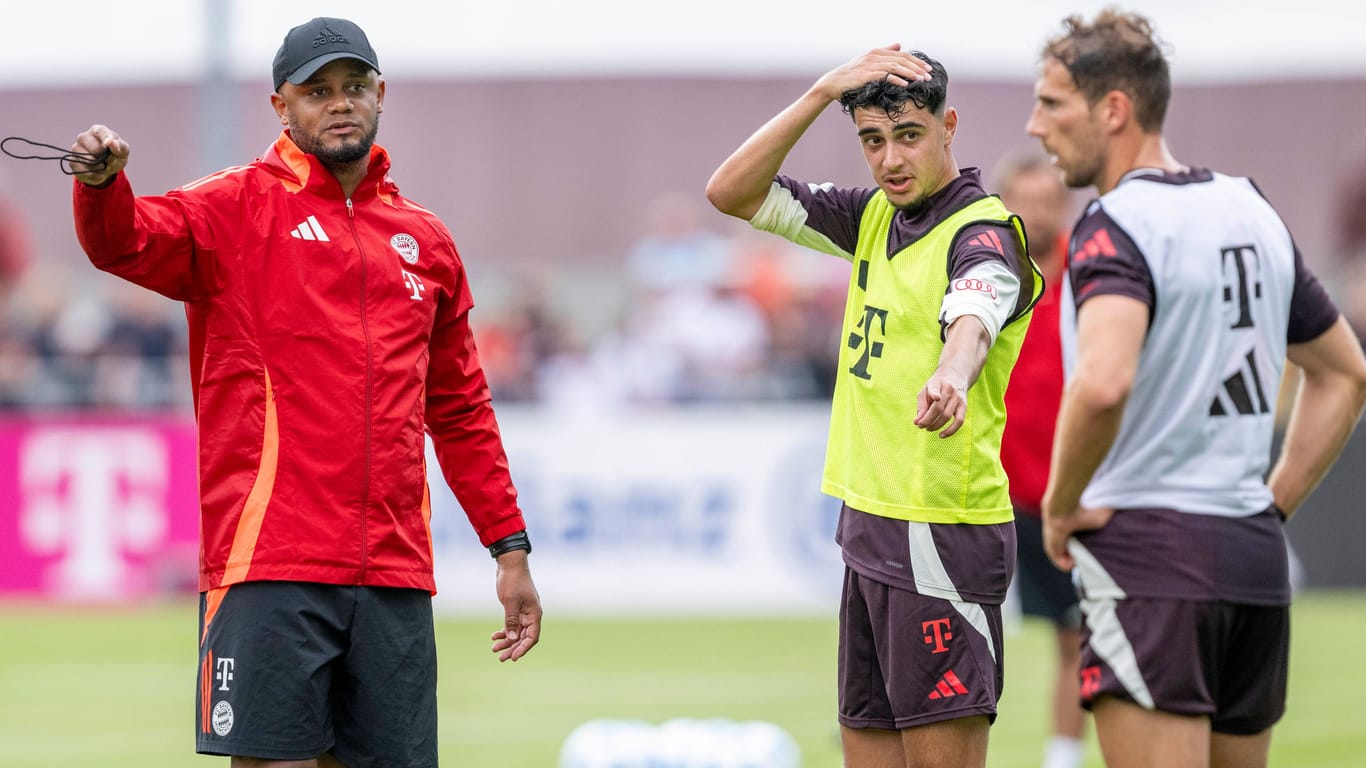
x=521, y=607
x=741, y=184
x=878, y=64
x=943, y=400
x=1058, y=528
x=94, y=142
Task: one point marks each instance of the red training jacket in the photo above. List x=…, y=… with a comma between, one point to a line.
x=1032, y=401
x=325, y=334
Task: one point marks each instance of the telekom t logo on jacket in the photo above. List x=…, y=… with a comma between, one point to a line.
x=92, y=495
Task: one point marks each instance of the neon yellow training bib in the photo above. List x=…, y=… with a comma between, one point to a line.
x=876, y=459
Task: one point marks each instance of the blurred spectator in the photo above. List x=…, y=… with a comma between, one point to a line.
x=81, y=342
x=696, y=316
x=514, y=340
x=15, y=250
x=16, y=359
x=50, y=321
x=69, y=339
x=142, y=362
x=676, y=252
x=1351, y=251
x=1351, y=234
x=721, y=318
x=685, y=316
x=801, y=295
x=718, y=336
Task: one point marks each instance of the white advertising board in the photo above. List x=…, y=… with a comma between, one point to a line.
x=703, y=510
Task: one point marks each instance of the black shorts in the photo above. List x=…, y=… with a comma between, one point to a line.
x=1044, y=590
x=292, y=670
x=1210, y=659
x=907, y=659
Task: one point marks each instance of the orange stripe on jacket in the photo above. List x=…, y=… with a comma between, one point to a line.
x=427, y=508
x=254, y=511
x=213, y=599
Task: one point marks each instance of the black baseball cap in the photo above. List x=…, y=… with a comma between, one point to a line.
x=314, y=43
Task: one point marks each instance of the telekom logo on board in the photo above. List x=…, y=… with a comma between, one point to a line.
x=90, y=497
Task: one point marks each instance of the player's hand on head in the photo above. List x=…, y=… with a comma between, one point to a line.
x=521, y=628
x=96, y=140
x=889, y=62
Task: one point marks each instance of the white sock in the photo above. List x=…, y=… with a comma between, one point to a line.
x=1063, y=752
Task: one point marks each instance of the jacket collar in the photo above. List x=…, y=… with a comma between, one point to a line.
x=299, y=170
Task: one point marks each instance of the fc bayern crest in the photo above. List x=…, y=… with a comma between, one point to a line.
x=406, y=246
x=222, y=718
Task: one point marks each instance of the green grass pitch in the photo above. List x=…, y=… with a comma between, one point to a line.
x=115, y=688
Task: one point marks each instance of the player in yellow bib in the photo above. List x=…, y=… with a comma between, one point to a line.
x=939, y=299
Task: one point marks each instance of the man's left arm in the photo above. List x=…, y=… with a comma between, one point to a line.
x=1326, y=409
x=469, y=448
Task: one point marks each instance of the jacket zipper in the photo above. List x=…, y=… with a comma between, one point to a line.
x=369, y=396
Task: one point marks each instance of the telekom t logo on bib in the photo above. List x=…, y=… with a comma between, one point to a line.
x=92, y=496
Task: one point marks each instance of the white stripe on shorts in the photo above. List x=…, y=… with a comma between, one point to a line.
x=932, y=579
x=1108, y=640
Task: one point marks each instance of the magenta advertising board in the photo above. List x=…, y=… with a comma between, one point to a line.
x=96, y=509
x=712, y=510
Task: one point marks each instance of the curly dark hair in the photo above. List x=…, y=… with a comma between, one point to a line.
x=892, y=98
x=1116, y=52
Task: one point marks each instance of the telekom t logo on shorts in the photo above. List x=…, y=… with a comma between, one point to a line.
x=223, y=674
x=1090, y=682
x=937, y=634
x=92, y=495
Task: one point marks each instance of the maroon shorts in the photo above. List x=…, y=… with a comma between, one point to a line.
x=1219, y=660
x=907, y=659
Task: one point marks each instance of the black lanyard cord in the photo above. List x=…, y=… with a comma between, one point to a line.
x=95, y=163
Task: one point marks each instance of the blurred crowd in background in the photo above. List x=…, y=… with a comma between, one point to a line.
x=696, y=310
x=687, y=314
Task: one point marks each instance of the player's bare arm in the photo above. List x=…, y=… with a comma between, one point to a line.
x=521, y=607
x=1110, y=334
x=1327, y=407
x=95, y=141
x=740, y=185
x=943, y=402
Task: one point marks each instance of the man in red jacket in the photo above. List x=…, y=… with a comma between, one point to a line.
x=329, y=328
x=1030, y=186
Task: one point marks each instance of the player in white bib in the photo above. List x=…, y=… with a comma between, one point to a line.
x=1184, y=296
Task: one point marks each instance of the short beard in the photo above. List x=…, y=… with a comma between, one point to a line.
x=1081, y=179
x=916, y=207
x=1084, y=175
x=333, y=158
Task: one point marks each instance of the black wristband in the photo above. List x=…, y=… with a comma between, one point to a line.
x=510, y=542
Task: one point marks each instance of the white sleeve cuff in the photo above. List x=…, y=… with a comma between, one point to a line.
x=988, y=291
x=783, y=215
